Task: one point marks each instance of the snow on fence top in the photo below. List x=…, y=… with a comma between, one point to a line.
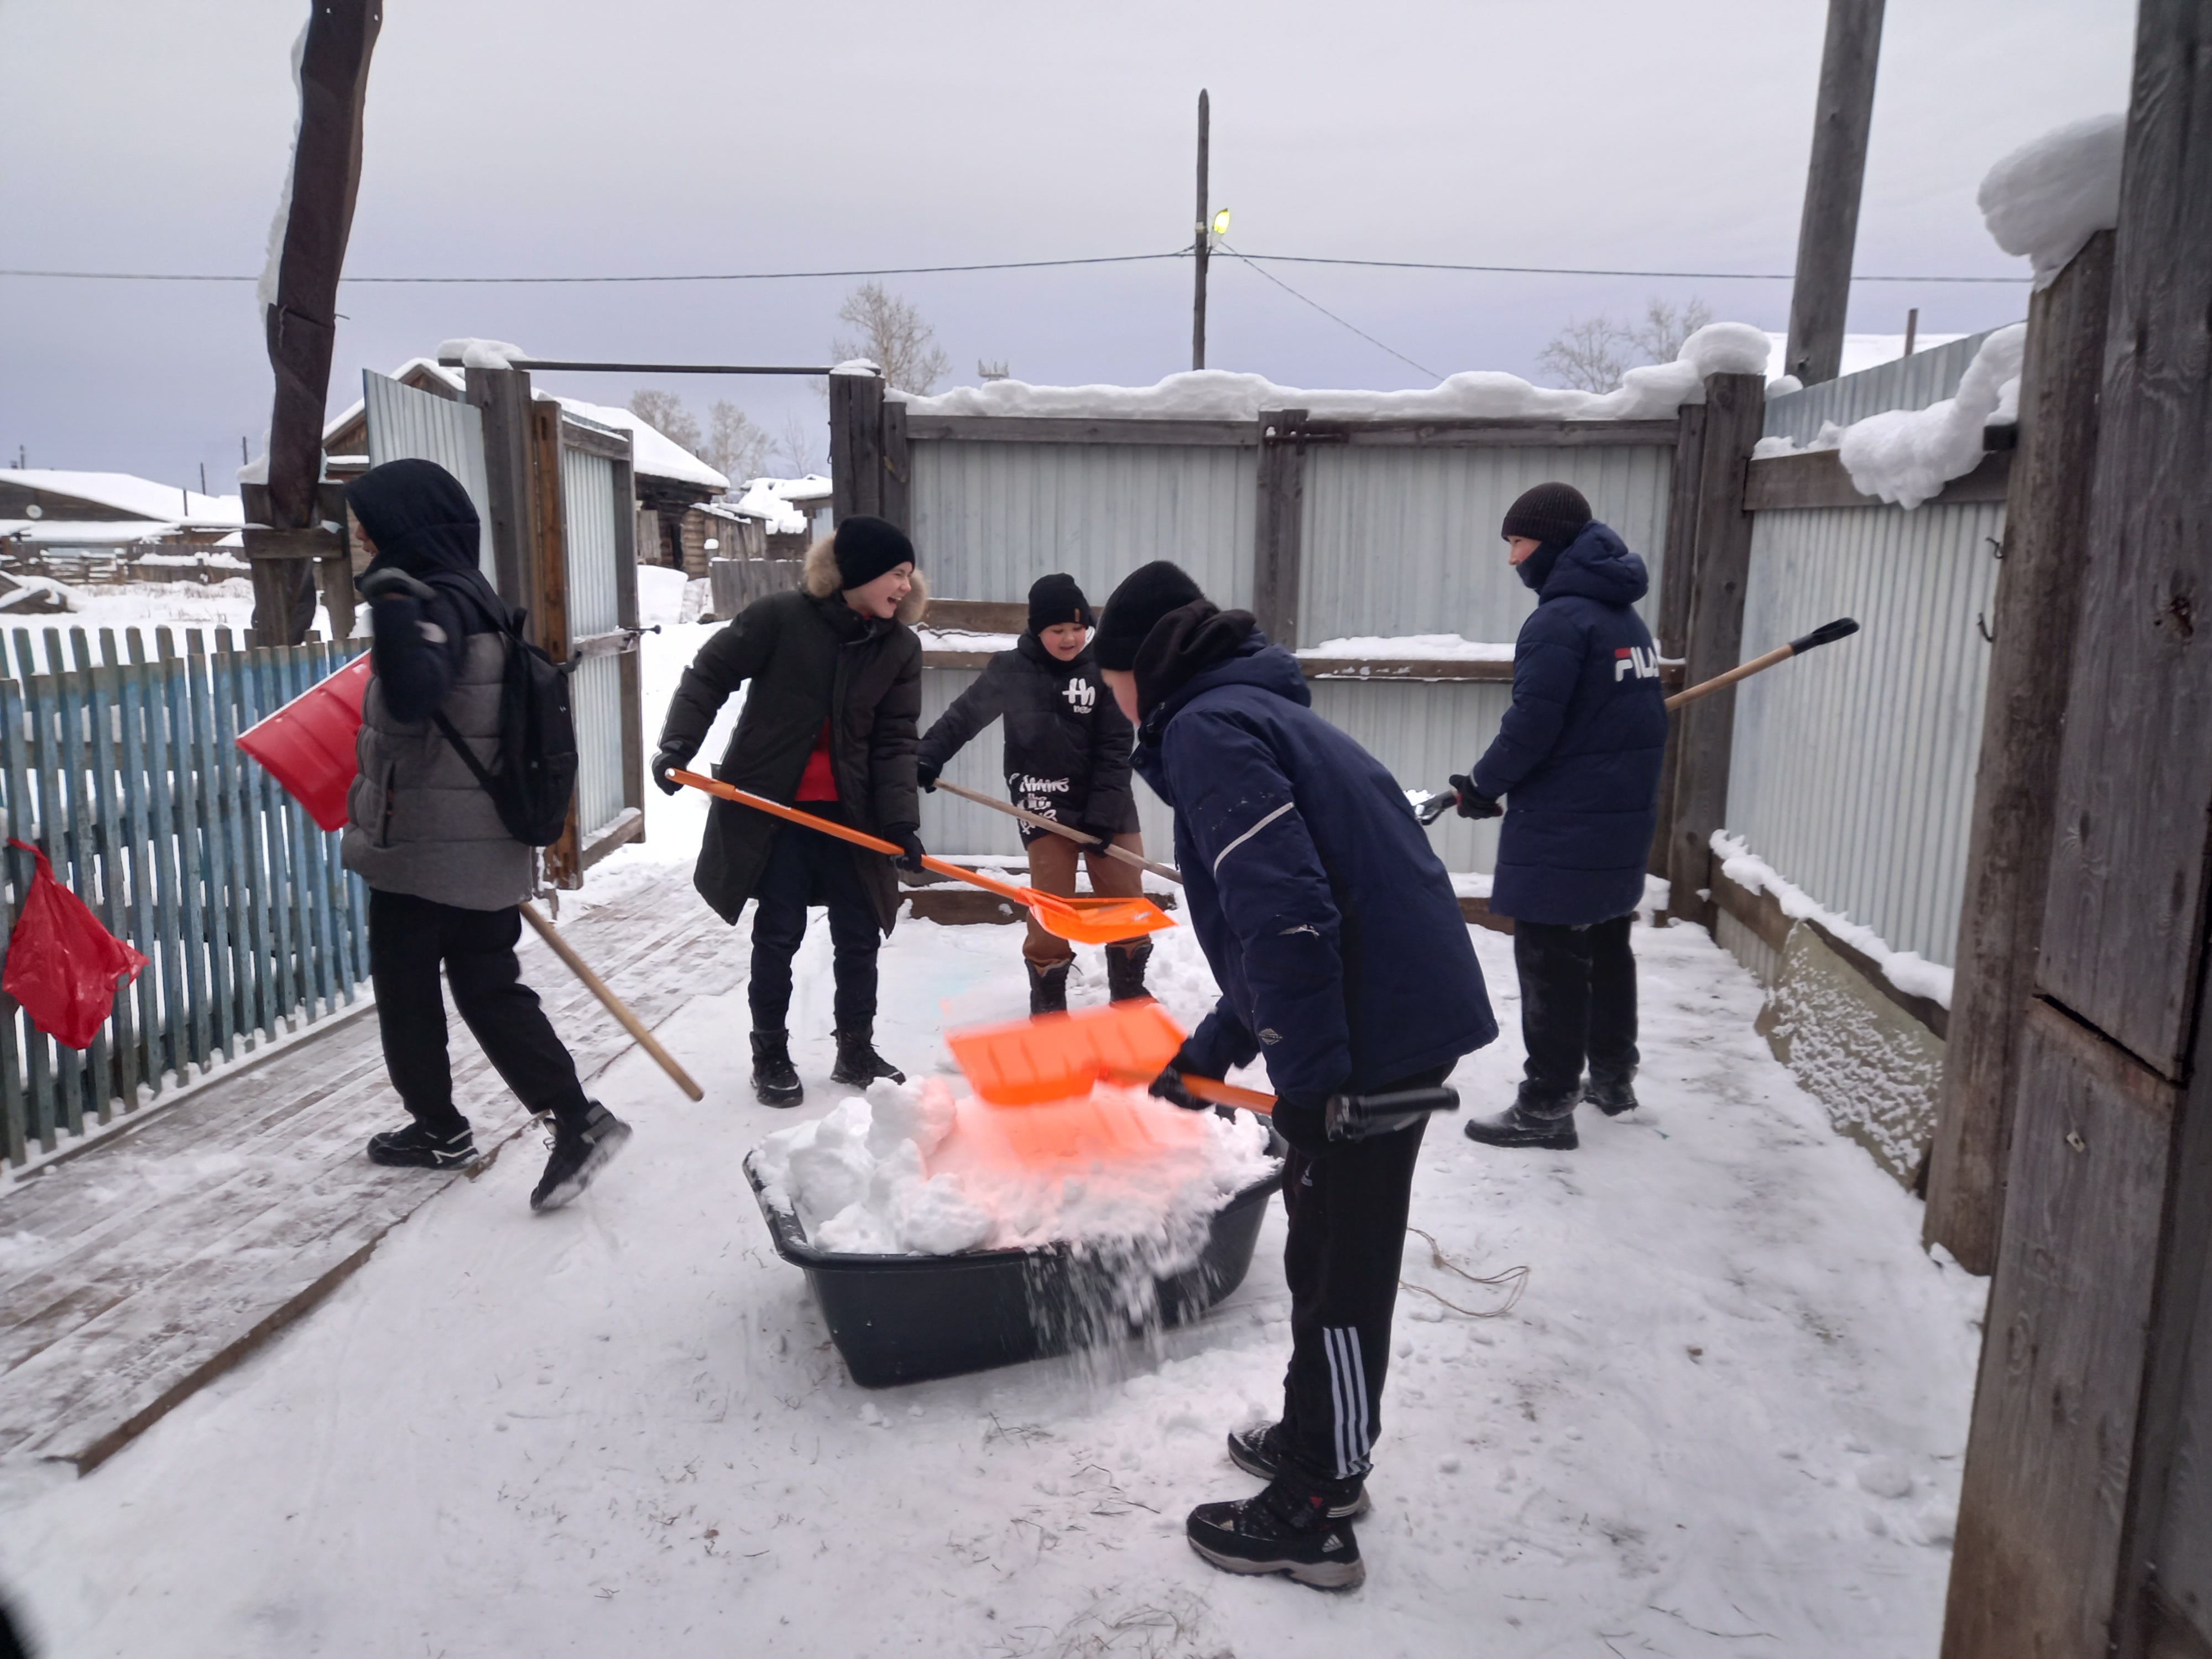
x=2050, y=196
x=776, y=500
x=1647, y=393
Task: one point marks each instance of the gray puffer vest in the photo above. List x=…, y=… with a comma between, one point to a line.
x=417, y=821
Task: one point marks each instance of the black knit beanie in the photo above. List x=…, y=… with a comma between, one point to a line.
x=1145, y=595
x=1056, y=598
x=866, y=547
x=1549, y=512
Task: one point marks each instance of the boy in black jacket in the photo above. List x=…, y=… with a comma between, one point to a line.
x=1067, y=759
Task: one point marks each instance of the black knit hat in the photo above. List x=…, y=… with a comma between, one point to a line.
x=1549, y=512
x=866, y=547
x=1056, y=598
x=1145, y=595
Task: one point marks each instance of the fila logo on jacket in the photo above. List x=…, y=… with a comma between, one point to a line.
x=1082, y=696
x=1635, y=660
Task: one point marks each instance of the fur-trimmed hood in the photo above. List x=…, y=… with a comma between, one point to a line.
x=821, y=580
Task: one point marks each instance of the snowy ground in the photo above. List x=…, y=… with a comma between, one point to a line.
x=1726, y=1416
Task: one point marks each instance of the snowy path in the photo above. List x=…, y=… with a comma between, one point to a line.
x=1726, y=1416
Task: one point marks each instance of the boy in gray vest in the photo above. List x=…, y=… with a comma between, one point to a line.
x=445, y=879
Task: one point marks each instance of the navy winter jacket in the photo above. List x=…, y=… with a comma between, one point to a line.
x=1327, y=918
x=1576, y=757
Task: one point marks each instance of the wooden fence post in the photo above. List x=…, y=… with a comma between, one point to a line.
x=2085, y=1524
x=2047, y=546
x=897, y=504
x=1279, y=525
x=503, y=397
x=1677, y=569
x=1736, y=407
x=856, y=444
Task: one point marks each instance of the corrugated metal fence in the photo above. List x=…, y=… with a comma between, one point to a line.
x=124, y=772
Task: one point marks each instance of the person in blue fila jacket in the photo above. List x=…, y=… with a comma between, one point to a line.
x=1343, y=959
x=1575, y=762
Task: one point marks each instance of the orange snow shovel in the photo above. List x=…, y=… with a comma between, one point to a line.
x=1078, y=920
x=1056, y=1057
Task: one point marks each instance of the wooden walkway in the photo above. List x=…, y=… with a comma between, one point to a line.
x=135, y=1273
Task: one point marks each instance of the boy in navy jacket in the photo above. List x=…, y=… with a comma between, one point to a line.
x=1342, y=958
x=1577, y=763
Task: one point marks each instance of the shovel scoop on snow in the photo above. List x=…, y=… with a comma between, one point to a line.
x=1054, y=1057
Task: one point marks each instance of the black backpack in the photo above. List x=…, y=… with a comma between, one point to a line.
x=534, y=777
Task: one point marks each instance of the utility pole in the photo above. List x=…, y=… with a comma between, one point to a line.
x=1828, y=231
x=1198, y=249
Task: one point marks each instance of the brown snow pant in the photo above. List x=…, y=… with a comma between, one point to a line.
x=1051, y=870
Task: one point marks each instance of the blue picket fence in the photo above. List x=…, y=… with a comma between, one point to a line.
x=123, y=770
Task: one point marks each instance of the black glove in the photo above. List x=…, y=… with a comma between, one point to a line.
x=1168, y=1086
x=1304, y=1123
x=667, y=761
x=911, y=851
x=1473, y=802
x=925, y=774
x=390, y=582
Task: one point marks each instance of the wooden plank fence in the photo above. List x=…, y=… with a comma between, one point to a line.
x=124, y=769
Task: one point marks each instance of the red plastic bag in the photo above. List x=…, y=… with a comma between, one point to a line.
x=63, y=966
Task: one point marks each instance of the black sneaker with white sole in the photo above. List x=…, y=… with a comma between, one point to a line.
x=578, y=1157
x=1287, y=1528
x=417, y=1148
x=1258, y=1451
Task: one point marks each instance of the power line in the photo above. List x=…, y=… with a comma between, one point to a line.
x=1331, y=315
x=1254, y=259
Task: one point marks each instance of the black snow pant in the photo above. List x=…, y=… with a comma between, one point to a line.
x=806, y=867
x=1578, y=1008
x=408, y=938
x=1346, y=1207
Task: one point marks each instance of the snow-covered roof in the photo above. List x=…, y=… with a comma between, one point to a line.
x=655, y=456
x=88, y=532
x=132, y=496
x=1223, y=395
x=783, y=503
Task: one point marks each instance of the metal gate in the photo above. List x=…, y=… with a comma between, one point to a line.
x=406, y=424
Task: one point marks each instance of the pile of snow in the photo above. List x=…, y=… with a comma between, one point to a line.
x=660, y=593
x=485, y=354
x=1907, y=455
x=2050, y=196
x=1908, y=971
x=1425, y=647
x=1647, y=393
x=910, y=1170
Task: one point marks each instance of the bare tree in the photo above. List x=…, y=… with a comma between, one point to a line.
x=738, y=447
x=1665, y=327
x=892, y=335
x=1592, y=354
x=664, y=411
x=799, y=448
x=1588, y=356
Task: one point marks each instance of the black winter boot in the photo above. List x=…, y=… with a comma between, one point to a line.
x=1530, y=1122
x=578, y=1156
x=417, y=1148
x=1125, y=970
x=775, y=1079
x=1286, y=1528
x=858, y=1063
x=1612, y=1095
x=1048, y=987
x=1258, y=1451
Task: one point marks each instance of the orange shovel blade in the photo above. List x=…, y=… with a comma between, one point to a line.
x=1062, y=1056
x=1095, y=921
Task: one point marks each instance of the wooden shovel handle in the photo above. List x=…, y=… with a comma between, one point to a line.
x=1207, y=1088
x=614, y=1005
x=1166, y=871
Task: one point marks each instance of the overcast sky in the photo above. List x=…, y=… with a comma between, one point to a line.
x=549, y=136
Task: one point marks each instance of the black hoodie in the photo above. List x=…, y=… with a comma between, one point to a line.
x=422, y=524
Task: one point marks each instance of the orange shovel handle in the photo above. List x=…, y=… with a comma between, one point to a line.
x=858, y=837
x=1210, y=1089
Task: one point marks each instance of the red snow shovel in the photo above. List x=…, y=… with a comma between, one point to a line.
x=1056, y=1057
x=1078, y=920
